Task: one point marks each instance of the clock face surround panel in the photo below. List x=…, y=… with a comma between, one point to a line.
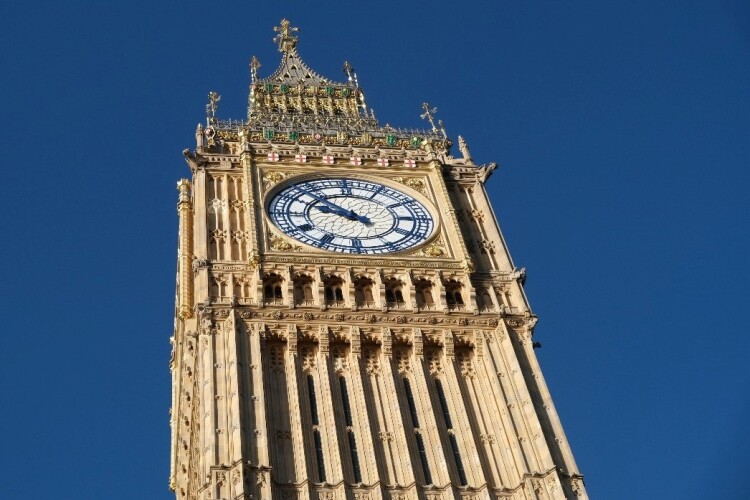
x=350, y=215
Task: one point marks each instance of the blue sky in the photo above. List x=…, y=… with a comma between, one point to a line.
x=621, y=128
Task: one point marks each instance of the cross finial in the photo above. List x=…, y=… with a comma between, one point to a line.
x=254, y=65
x=285, y=39
x=212, y=106
x=428, y=112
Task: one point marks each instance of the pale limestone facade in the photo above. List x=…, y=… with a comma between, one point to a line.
x=300, y=373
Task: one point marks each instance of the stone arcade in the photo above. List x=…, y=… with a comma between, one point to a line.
x=349, y=323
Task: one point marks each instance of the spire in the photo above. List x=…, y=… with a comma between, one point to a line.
x=296, y=96
x=297, y=104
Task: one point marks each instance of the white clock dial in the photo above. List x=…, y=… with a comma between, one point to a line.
x=350, y=216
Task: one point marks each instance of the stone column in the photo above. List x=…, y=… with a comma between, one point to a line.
x=185, y=252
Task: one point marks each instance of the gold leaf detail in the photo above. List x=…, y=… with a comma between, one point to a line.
x=272, y=178
x=279, y=243
x=433, y=250
x=412, y=182
x=282, y=244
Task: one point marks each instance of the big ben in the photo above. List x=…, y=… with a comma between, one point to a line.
x=349, y=323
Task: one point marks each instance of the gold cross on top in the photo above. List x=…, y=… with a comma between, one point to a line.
x=285, y=28
x=285, y=39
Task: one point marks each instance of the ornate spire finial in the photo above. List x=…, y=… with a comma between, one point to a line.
x=350, y=73
x=428, y=112
x=464, y=150
x=285, y=39
x=254, y=65
x=212, y=106
x=442, y=129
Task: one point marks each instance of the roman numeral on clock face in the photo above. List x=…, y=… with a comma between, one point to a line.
x=326, y=239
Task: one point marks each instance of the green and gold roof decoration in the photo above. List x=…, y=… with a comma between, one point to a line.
x=297, y=105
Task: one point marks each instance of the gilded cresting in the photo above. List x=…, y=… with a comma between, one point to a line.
x=303, y=373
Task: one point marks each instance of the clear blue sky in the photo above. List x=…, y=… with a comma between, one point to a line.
x=622, y=130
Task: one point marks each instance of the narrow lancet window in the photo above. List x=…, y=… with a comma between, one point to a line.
x=417, y=432
x=350, y=430
x=451, y=434
x=316, y=432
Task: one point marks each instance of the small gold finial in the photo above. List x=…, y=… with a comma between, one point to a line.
x=428, y=112
x=285, y=39
x=254, y=65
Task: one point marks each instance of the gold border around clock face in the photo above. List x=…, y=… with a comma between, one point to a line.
x=349, y=214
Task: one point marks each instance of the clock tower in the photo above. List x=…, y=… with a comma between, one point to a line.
x=349, y=322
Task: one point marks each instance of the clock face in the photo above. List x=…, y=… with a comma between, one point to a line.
x=350, y=216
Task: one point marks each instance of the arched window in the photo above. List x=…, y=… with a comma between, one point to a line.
x=303, y=290
x=333, y=290
x=453, y=296
x=394, y=295
x=272, y=290
x=363, y=291
x=423, y=288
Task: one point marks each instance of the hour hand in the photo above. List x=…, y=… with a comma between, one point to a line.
x=326, y=209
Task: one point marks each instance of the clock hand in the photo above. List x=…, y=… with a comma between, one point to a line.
x=336, y=209
x=332, y=206
x=349, y=214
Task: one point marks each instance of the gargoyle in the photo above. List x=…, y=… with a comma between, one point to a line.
x=193, y=160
